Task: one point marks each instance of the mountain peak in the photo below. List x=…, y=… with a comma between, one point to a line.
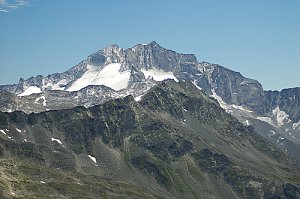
x=113, y=46
x=154, y=43
x=151, y=44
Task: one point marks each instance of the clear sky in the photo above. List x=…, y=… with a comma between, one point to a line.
x=258, y=38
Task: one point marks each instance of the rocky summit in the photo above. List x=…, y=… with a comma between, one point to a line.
x=175, y=142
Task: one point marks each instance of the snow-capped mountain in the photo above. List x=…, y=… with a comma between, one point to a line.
x=124, y=71
x=115, y=72
x=112, y=67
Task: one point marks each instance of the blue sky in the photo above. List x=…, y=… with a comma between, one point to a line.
x=259, y=38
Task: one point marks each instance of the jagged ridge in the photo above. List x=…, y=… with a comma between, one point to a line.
x=176, y=142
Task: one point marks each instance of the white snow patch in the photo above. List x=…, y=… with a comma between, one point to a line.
x=278, y=119
x=30, y=90
x=296, y=125
x=266, y=119
x=56, y=140
x=241, y=108
x=41, y=98
x=195, y=83
x=2, y=132
x=60, y=85
x=109, y=76
x=19, y=130
x=247, y=123
x=138, y=98
x=281, y=138
x=281, y=117
x=158, y=74
x=220, y=100
x=93, y=158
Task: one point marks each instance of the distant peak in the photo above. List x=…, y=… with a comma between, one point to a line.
x=154, y=43
x=113, y=46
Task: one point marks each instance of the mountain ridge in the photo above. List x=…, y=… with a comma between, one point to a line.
x=133, y=71
x=176, y=142
x=112, y=50
x=231, y=86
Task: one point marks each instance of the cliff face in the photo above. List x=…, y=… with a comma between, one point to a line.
x=287, y=100
x=233, y=88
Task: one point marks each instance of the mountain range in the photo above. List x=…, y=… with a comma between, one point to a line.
x=176, y=142
x=113, y=126
x=114, y=72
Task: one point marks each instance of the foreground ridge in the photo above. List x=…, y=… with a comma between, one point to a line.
x=176, y=142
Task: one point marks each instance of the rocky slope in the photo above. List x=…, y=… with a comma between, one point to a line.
x=176, y=142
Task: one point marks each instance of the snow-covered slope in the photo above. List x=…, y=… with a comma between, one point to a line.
x=30, y=90
x=109, y=76
x=280, y=117
x=158, y=74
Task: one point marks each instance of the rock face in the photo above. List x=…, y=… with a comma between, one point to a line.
x=233, y=88
x=176, y=142
x=287, y=100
